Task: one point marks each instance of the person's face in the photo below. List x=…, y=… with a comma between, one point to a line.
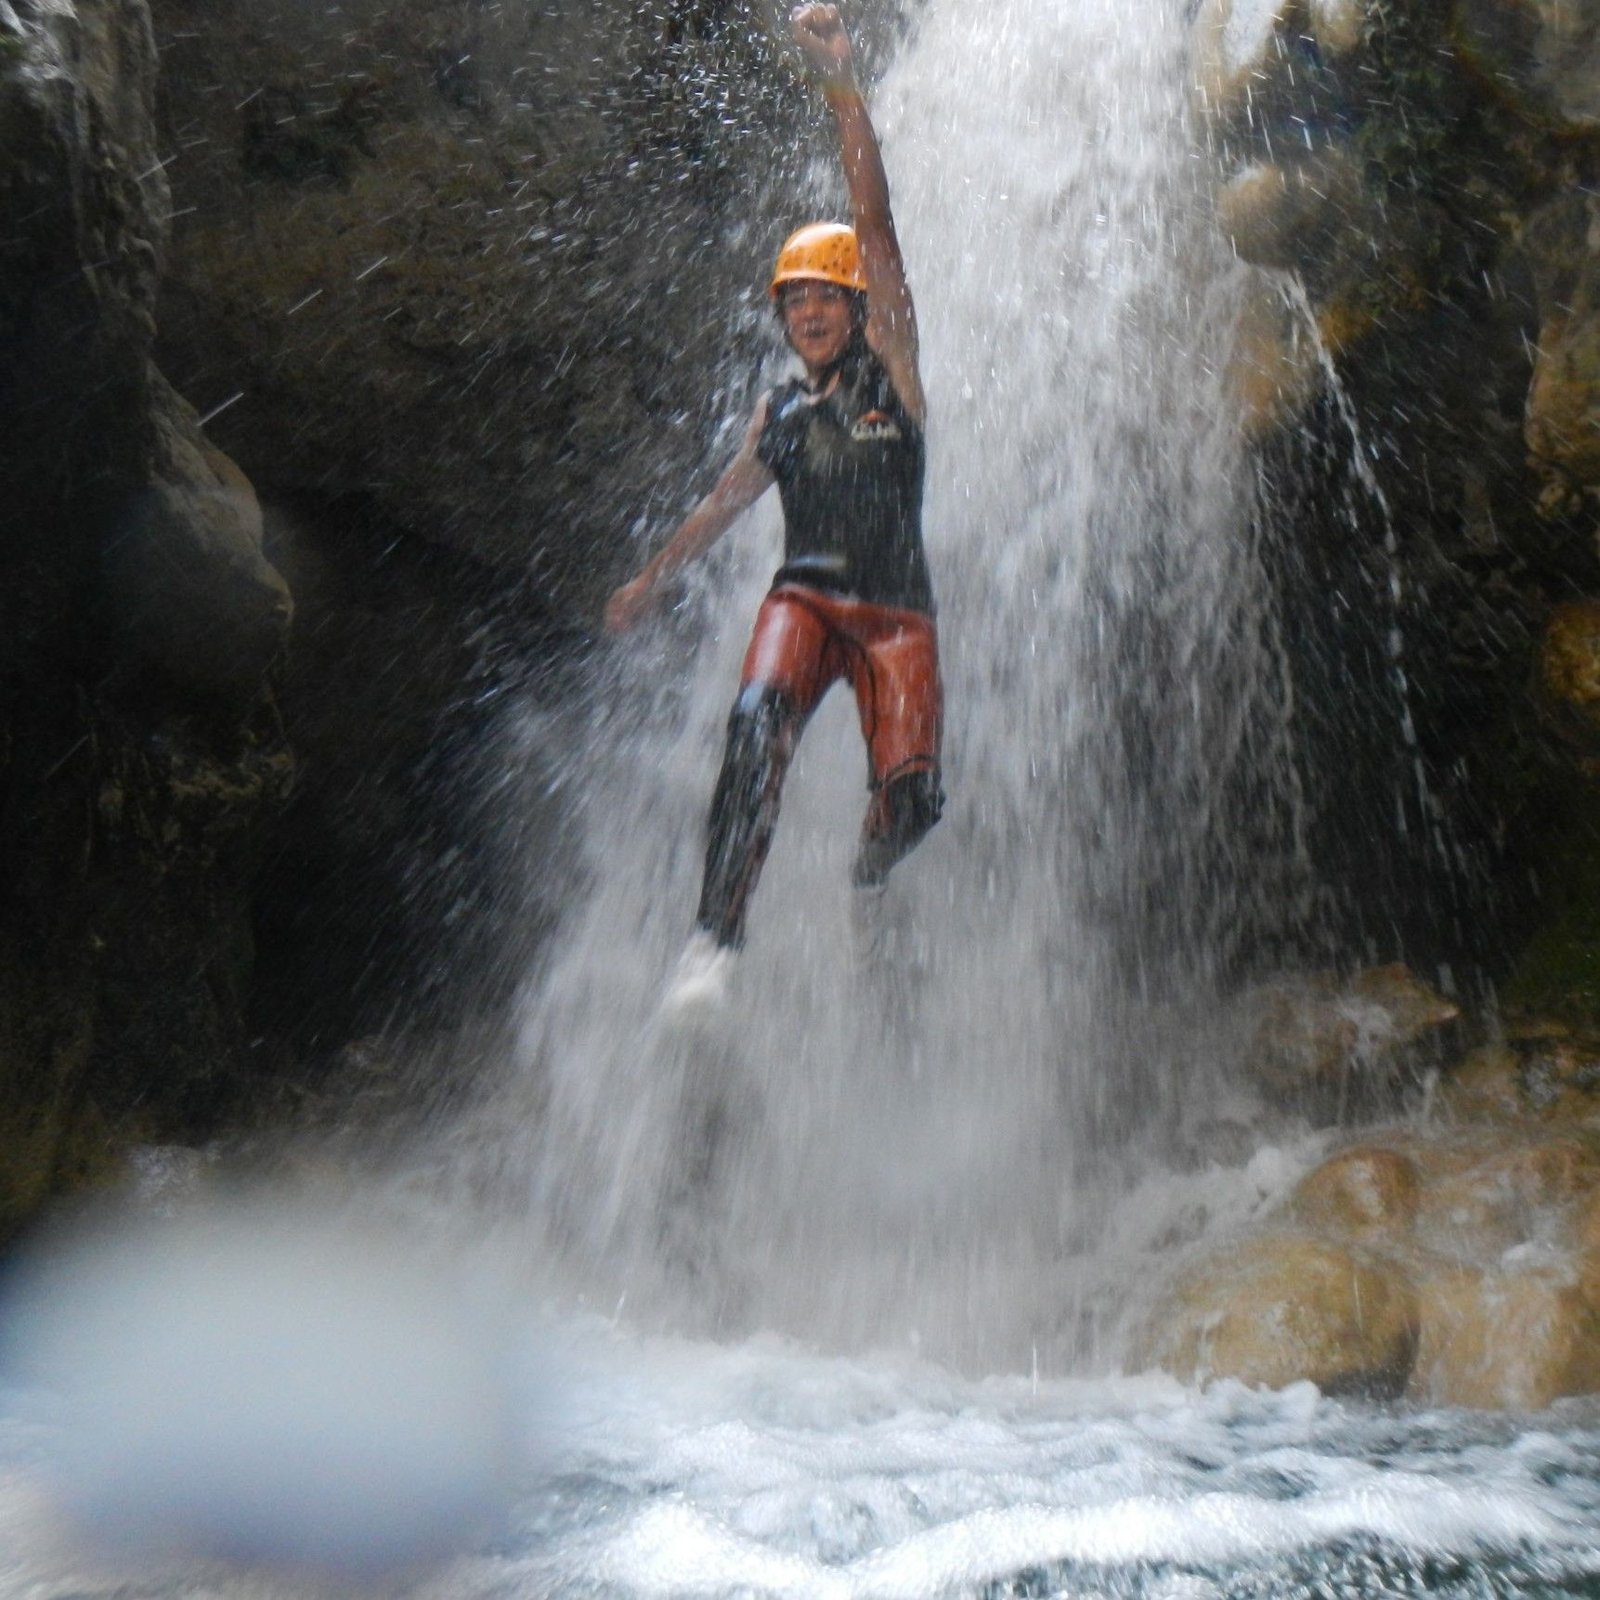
x=816, y=318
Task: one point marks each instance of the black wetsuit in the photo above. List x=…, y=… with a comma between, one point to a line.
x=849, y=470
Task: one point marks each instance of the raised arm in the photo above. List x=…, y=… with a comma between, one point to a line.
x=891, y=316
x=743, y=482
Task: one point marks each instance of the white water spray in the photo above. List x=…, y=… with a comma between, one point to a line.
x=881, y=1155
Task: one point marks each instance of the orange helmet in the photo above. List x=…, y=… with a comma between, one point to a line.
x=823, y=252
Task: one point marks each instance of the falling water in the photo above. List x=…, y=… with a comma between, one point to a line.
x=916, y=1147
x=895, y=1144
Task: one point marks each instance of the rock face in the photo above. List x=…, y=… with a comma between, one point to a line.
x=187, y=586
x=1455, y=1265
x=1293, y=1308
x=1563, y=418
x=1338, y=1040
x=138, y=752
x=482, y=265
x=1411, y=190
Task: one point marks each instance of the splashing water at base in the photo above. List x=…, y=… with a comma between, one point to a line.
x=901, y=1124
x=761, y=1470
x=692, y=1470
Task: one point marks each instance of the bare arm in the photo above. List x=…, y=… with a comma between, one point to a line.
x=743, y=482
x=891, y=315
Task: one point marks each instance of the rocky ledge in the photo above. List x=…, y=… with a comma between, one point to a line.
x=1453, y=1259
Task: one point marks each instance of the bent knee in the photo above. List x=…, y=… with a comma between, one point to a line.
x=760, y=705
x=760, y=715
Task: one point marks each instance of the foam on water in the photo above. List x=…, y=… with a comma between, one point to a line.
x=677, y=1468
x=762, y=1470
x=655, y=1466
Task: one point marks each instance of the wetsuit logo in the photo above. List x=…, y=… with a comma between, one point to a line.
x=875, y=425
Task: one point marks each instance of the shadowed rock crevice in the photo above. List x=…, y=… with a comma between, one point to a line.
x=139, y=619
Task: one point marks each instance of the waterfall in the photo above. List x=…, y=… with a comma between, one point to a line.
x=907, y=1147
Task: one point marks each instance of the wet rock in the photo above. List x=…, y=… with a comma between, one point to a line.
x=1287, y=212
x=88, y=203
x=1359, y=1192
x=1497, y=1192
x=1569, y=675
x=1585, y=1230
x=1544, y=53
x=1396, y=1004
x=1478, y=1249
x=1559, y=1080
x=1554, y=1174
x=186, y=583
x=1340, y=28
x=1302, y=1035
x=1549, y=1080
x=1487, y=1084
x=1242, y=53
x=1468, y=1212
x=1515, y=1336
x=140, y=754
x=1563, y=425
x=1274, y=367
x=1316, y=1031
x=1282, y=1308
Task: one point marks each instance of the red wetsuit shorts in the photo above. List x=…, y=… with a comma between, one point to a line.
x=806, y=639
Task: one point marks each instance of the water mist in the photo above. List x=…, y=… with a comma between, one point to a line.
x=906, y=1146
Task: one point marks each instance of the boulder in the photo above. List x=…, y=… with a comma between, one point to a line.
x=1283, y=1307
x=1477, y=1250
x=1515, y=1336
x=1486, y=1085
x=1287, y=212
x=1317, y=1030
x=1569, y=675
x=186, y=585
x=1359, y=1192
x=1242, y=55
x=1395, y=1005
